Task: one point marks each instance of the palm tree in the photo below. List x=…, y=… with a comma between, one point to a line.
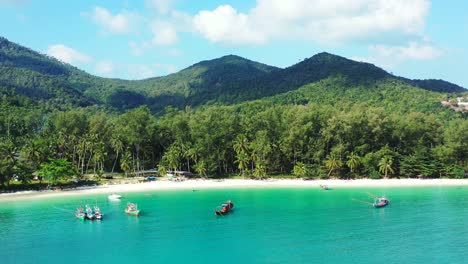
x=117, y=146
x=172, y=157
x=162, y=170
x=200, y=168
x=353, y=161
x=260, y=170
x=192, y=153
x=332, y=163
x=299, y=169
x=125, y=162
x=8, y=158
x=241, y=144
x=385, y=166
x=32, y=153
x=242, y=159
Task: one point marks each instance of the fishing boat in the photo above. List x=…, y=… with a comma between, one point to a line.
x=89, y=213
x=80, y=214
x=225, y=208
x=380, y=202
x=324, y=186
x=114, y=197
x=132, y=209
x=97, y=212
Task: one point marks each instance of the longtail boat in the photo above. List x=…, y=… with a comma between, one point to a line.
x=324, y=186
x=132, y=209
x=79, y=213
x=380, y=202
x=224, y=208
x=89, y=213
x=97, y=212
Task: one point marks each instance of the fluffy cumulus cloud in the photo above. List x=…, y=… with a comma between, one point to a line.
x=314, y=20
x=119, y=23
x=390, y=56
x=225, y=24
x=68, y=55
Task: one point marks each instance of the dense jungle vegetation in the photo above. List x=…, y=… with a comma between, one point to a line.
x=326, y=116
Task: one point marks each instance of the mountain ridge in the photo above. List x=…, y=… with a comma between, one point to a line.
x=229, y=79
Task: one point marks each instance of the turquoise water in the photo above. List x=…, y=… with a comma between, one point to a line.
x=421, y=225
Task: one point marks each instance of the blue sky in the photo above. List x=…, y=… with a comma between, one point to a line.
x=136, y=39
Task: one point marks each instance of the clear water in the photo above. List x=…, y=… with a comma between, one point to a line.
x=421, y=225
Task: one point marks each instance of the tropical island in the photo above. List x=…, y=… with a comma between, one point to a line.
x=324, y=117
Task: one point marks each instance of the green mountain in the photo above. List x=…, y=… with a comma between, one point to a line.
x=226, y=80
x=40, y=77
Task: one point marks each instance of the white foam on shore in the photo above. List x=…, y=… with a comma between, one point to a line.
x=230, y=183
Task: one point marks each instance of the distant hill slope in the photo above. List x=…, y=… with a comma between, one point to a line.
x=226, y=80
x=40, y=77
x=438, y=86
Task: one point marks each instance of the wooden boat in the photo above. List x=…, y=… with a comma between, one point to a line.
x=89, y=213
x=114, y=197
x=381, y=202
x=132, y=209
x=225, y=208
x=97, y=212
x=80, y=214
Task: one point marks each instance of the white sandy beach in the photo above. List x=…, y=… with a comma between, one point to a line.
x=229, y=183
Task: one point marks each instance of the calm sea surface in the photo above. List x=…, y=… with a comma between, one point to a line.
x=421, y=225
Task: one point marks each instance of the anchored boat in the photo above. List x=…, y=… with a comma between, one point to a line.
x=381, y=202
x=225, y=208
x=132, y=209
x=80, y=214
x=324, y=186
x=114, y=197
x=89, y=213
x=97, y=212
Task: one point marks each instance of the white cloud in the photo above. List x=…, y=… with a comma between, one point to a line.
x=67, y=54
x=119, y=23
x=314, y=20
x=104, y=68
x=225, y=24
x=164, y=33
x=161, y=6
x=111, y=69
x=390, y=56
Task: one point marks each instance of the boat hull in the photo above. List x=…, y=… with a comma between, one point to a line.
x=134, y=213
x=81, y=217
x=226, y=208
x=218, y=212
x=380, y=205
x=91, y=217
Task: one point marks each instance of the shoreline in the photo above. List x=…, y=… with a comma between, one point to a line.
x=197, y=184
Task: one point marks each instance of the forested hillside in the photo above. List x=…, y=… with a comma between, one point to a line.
x=326, y=116
x=226, y=80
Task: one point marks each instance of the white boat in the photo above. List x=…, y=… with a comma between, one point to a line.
x=114, y=196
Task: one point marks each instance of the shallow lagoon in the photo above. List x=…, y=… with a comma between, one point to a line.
x=268, y=225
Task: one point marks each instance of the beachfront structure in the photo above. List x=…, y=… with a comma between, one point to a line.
x=461, y=102
x=179, y=174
